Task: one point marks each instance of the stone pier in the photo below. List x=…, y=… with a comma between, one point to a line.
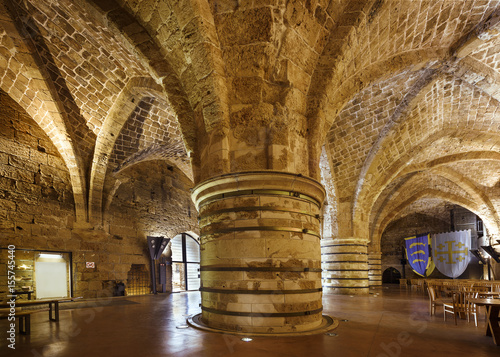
x=375, y=269
x=345, y=266
x=260, y=252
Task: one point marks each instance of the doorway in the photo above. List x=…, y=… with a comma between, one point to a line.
x=391, y=276
x=185, y=263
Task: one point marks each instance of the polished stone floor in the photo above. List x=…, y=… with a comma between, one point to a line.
x=388, y=323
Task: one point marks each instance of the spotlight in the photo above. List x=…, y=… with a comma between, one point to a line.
x=246, y=339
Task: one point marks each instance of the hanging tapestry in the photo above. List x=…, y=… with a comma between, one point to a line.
x=417, y=253
x=451, y=252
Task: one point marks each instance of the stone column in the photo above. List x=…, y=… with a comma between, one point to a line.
x=375, y=269
x=345, y=266
x=260, y=251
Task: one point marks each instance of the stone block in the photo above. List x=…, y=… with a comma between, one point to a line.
x=245, y=27
x=121, y=268
x=7, y=205
x=95, y=285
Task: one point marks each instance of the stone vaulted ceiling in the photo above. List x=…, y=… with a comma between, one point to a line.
x=396, y=99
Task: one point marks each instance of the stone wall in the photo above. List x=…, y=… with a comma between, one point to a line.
x=37, y=207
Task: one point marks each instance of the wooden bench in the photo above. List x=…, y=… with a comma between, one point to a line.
x=24, y=320
x=53, y=305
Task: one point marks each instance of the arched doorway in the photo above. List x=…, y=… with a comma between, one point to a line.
x=185, y=263
x=391, y=276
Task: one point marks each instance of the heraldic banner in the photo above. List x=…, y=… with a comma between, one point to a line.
x=417, y=253
x=451, y=252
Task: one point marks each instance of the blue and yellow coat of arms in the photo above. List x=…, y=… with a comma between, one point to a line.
x=417, y=253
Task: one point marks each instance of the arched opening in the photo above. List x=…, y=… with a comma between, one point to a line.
x=391, y=276
x=185, y=263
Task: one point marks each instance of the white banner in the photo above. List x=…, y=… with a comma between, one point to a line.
x=450, y=252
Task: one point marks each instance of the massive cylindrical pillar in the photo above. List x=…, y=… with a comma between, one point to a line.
x=260, y=252
x=345, y=266
x=375, y=269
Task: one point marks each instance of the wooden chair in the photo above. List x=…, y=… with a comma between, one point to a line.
x=460, y=306
x=434, y=300
x=412, y=283
x=495, y=287
x=403, y=282
x=471, y=308
x=420, y=285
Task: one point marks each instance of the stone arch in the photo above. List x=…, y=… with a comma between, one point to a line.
x=470, y=205
x=130, y=96
x=199, y=99
x=448, y=159
x=373, y=186
x=391, y=128
x=484, y=207
x=43, y=108
x=323, y=113
x=326, y=97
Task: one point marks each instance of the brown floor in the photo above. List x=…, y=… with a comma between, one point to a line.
x=394, y=323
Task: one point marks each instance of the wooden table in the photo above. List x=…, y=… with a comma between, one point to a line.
x=493, y=309
x=488, y=294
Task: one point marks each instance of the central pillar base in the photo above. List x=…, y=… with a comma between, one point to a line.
x=327, y=324
x=260, y=252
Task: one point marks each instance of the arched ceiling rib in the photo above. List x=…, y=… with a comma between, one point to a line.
x=87, y=63
x=397, y=36
x=427, y=39
x=446, y=97
x=140, y=126
x=450, y=183
x=29, y=79
x=468, y=112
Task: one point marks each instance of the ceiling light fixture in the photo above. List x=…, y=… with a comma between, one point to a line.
x=50, y=255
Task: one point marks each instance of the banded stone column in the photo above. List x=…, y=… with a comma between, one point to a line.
x=345, y=266
x=260, y=252
x=375, y=269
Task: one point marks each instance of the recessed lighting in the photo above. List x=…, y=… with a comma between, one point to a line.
x=50, y=255
x=182, y=326
x=246, y=339
x=331, y=334
x=344, y=320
